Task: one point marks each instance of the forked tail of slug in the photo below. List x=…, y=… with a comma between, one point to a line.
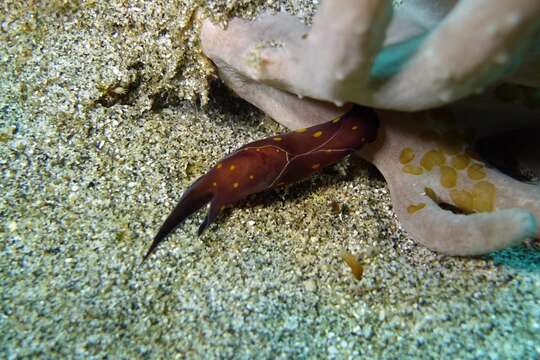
x=193, y=199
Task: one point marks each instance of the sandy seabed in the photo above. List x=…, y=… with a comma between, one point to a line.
x=106, y=115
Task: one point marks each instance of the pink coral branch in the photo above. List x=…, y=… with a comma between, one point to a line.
x=332, y=60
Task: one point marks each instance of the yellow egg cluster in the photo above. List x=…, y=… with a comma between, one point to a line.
x=450, y=160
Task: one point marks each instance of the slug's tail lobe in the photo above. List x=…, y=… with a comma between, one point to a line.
x=193, y=199
x=213, y=212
